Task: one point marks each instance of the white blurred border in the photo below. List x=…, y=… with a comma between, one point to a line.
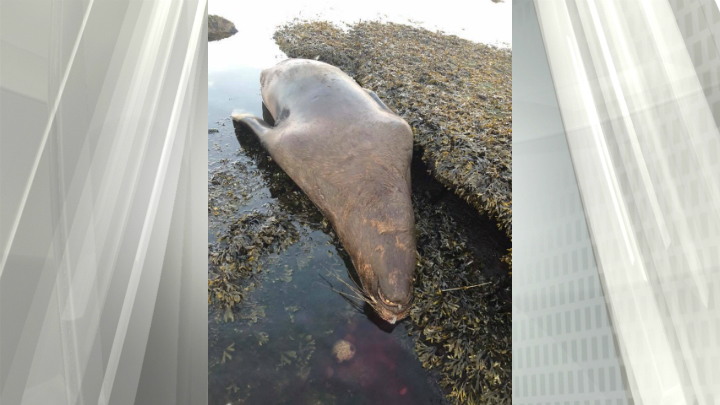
x=103, y=212
x=644, y=141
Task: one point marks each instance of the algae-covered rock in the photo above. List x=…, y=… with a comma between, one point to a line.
x=219, y=28
x=461, y=314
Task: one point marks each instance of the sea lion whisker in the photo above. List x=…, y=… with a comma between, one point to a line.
x=359, y=291
x=357, y=285
x=354, y=305
x=359, y=298
x=347, y=295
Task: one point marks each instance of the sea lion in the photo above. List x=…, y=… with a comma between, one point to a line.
x=351, y=155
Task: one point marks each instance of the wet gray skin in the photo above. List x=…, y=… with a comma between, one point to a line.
x=351, y=155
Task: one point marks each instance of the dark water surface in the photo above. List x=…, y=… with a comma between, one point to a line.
x=279, y=347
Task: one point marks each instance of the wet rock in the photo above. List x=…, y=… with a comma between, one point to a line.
x=219, y=28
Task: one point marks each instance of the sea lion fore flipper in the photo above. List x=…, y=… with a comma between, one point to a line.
x=377, y=99
x=260, y=128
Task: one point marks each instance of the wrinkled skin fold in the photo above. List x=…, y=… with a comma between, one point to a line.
x=351, y=155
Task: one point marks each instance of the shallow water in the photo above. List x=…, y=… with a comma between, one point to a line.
x=278, y=349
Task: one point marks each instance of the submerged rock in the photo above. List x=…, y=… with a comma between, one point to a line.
x=343, y=350
x=219, y=28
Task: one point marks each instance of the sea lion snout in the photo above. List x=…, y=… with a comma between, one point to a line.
x=398, y=304
x=393, y=299
x=394, y=293
x=391, y=280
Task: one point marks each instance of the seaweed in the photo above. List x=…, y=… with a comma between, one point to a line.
x=239, y=254
x=461, y=312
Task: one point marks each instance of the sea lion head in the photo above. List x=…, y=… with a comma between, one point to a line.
x=385, y=260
